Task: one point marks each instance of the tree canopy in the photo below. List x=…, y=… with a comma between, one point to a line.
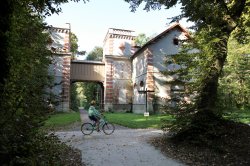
x=24, y=79
x=141, y=39
x=95, y=54
x=214, y=23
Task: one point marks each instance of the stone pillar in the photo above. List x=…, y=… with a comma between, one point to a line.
x=150, y=79
x=108, y=87
x=66, y=83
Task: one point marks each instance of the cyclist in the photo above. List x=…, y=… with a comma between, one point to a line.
x=94, y=114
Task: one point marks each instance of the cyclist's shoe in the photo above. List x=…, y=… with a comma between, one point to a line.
x=98, y=130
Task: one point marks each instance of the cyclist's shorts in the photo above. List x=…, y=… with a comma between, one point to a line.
x=94, y=118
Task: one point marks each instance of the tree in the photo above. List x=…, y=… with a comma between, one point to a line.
x=216, y=21
x=23, y=106
x=24, y=77
x=73, y=43
x=74, y=101
x=95, y=54
x=234, y=86
x=141, y=39
x=7, y=8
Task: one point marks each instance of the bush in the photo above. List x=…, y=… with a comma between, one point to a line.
x=42, y=150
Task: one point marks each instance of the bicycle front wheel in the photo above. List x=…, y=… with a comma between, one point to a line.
x=87, y=128
x=108, y=128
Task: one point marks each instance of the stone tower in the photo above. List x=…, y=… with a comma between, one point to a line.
x=117, y=49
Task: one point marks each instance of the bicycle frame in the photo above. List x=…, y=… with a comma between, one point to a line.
x=104, y=125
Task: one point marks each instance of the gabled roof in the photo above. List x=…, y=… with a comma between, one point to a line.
x=161, y=35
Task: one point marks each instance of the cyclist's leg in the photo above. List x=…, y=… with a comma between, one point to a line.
x=98, y=123
x=96, y=120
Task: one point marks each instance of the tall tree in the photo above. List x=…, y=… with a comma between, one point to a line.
x=95, y=54
x=217, y=19
x=23, y=97
x=234, y=86
x=7, y=8
x=141, y=39
x=24, y=62
x=73, y=43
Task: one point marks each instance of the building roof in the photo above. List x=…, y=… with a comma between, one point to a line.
x=59, y=40
x=161, y=35
x=115, y=32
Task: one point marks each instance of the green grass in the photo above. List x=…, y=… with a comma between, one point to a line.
x=62, y=119
x=239, y=116
x=136, y=120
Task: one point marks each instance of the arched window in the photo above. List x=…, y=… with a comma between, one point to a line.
x=141, y=84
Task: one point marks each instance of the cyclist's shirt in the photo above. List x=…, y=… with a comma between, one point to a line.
x=93, y=112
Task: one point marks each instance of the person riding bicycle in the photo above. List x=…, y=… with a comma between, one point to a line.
x=94, y=114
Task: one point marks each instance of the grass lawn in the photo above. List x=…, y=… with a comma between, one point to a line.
x=137, y=120
x=239, y=116
x=62, y=119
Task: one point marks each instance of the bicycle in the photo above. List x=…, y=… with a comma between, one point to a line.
x=88, y=128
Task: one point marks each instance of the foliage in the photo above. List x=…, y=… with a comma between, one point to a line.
x=45, y=150
x=23, y=84
x=235, y=82
x=73, y=88
x=73, y=43
x=95, y=54
x=215, y=22
x=75, y=102
x=23, y=106
x=91, y=92
x=141, y=39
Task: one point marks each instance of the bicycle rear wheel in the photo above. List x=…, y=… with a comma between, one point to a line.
x=108, y=128
x=87, y=128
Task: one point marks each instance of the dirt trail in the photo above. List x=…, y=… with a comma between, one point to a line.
x=125, y=147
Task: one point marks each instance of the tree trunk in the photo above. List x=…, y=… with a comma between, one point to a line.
x=208, y=94
x=6, y=8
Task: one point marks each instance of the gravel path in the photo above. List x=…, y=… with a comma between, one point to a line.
x=125, y=147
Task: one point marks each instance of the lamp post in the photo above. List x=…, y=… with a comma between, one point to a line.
x=69, y=36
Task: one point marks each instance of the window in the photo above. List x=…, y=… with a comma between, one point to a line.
x=141, y=84
x=176, y=41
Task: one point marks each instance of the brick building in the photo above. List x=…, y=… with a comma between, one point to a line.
x=127, y=70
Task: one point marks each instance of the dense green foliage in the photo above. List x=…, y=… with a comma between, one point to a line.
x=141, y=39
x=215, y=22
x=215, y=73
x=235, y=82
x=91, y=92
x=23, y=105
x=73, y=44
x=95, y=54
x=23, y=83
x=74, y=99
x=74, y=102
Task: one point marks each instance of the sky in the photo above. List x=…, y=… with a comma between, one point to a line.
x=90, y=21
